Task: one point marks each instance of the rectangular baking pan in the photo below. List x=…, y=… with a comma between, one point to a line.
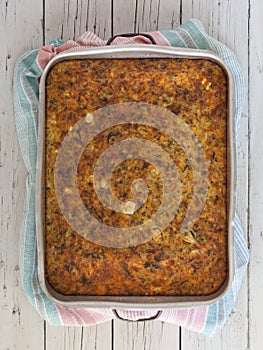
x=134, y=302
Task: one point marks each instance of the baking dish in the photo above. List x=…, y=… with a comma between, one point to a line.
x=131, y=302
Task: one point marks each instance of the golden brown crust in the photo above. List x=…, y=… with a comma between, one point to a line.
x=172, y=263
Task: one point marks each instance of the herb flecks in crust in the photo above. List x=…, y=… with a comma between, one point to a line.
x=172, y=263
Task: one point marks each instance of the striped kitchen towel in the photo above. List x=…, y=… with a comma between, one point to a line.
x=28, y=70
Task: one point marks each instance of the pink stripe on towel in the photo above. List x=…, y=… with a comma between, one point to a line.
x=89, y=39
x=82, y=316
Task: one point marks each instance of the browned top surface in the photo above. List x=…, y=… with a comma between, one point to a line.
x=173, y=263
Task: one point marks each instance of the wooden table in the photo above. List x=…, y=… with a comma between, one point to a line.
x=28, y=24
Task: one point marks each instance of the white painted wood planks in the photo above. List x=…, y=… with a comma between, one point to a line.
x=22, y=27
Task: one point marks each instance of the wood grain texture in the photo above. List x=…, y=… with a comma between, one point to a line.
x=256, y=171
x=79, y=338
x=97, y=338
x=169, y=14
x=148, y=335
x=68, y=20
x=17, y=316
x=140, y=16
x=69, y=338
x=124, y=16
x=217, y=17
x=227, y=20
x=147, y=15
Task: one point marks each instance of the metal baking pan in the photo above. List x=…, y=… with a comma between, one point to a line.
x=133, y=302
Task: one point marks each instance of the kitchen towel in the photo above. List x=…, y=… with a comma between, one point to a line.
x=27, y=73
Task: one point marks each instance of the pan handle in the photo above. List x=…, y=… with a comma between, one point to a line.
x=154, y=317
x=127, y=35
